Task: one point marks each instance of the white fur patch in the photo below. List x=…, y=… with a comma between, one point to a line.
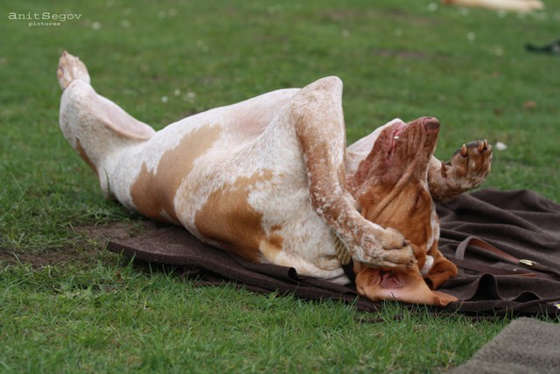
x=427, y=265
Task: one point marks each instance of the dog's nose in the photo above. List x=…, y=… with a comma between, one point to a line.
x=431, y=124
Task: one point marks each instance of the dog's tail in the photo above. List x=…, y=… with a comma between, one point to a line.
x=69, y=69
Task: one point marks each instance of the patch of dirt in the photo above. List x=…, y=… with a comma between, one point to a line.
x=102, y=234
x=89, y=247
x=47, y=257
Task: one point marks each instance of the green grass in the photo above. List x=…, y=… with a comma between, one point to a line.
x=108, y=319
x=396, y=58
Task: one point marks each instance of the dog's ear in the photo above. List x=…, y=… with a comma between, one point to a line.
x=122, y=123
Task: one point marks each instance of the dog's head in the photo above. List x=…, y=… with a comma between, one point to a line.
x=391, y=185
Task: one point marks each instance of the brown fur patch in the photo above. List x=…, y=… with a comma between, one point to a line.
x=409, y=212
x=228, y=218
x=153, y=194
x=276, y=241
x=84, y=156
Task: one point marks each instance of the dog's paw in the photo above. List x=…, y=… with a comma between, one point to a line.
x=388, y=249
x=470, y=165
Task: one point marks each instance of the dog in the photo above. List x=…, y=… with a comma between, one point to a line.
x=521, y=6
x=270, y=178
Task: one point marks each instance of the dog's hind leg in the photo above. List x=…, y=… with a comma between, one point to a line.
x=316, y=112
x=72, y=72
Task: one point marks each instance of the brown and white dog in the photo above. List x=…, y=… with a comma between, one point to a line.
x=522, y=6
x=271, y=179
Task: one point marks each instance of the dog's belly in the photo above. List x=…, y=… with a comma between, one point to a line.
x=234, y=178
x=254, y=201
x=264, y=215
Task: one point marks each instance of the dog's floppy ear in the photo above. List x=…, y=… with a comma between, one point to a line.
x=122, y=123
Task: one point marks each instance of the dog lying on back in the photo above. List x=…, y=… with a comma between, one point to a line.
x=271, y=180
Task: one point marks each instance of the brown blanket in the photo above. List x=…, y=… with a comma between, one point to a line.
x=506, y=245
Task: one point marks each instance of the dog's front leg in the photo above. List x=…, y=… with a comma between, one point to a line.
x=316, y=114
x=467, y=169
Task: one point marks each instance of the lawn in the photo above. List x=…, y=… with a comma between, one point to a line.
x=67, y=305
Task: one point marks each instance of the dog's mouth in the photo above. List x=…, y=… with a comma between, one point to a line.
x=419, y=135
x=403, y=151
x=386, y=279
